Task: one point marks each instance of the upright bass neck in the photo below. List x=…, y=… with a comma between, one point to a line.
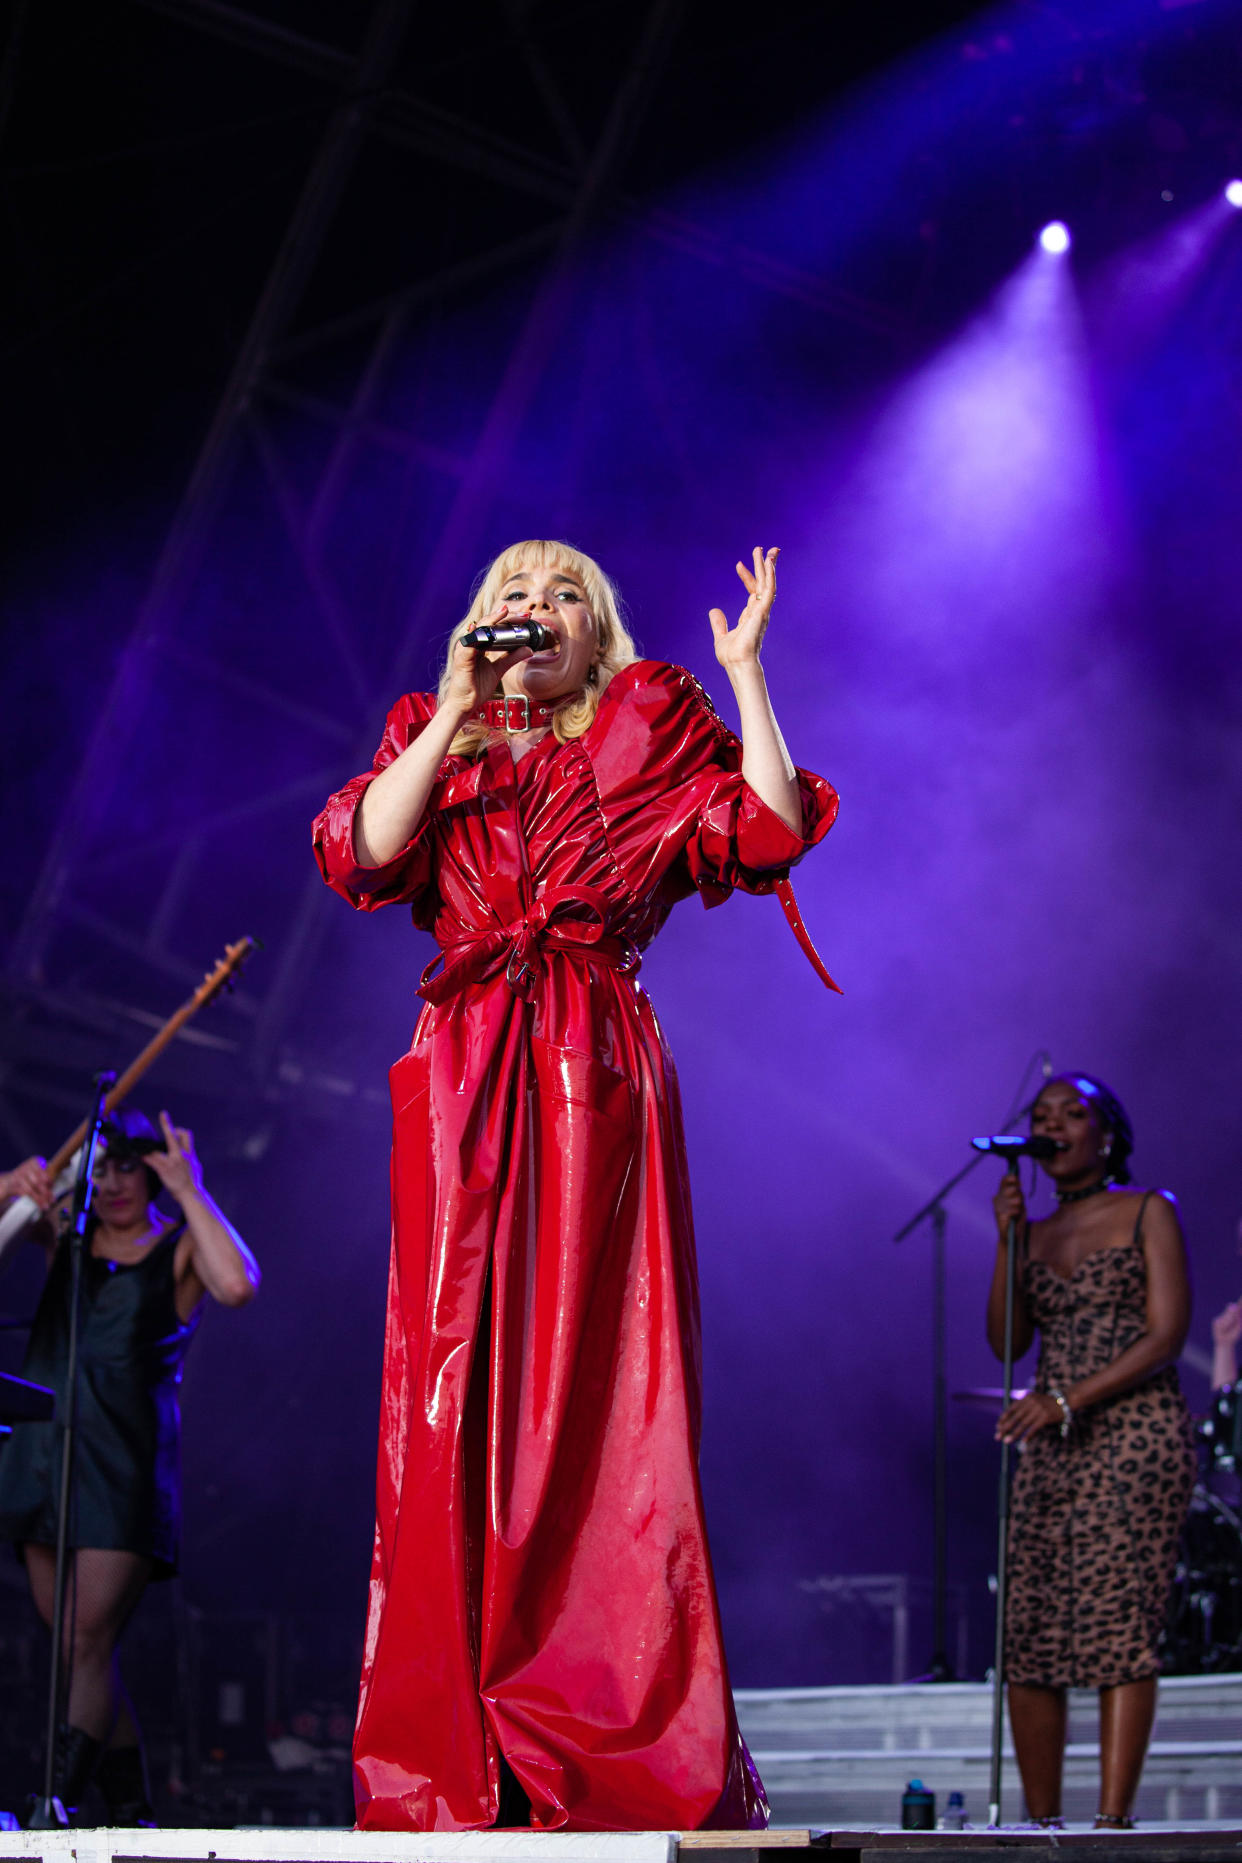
x=23, y=1211
x=234, y=957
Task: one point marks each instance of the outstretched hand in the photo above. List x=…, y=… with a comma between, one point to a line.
x=177, y=1167
x=739, y=645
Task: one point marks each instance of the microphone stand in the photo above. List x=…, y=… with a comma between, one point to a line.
x=1002, y=1530
x=48, y=1813
x=941, y=1668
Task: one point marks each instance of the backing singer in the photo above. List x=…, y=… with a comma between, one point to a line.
x=1103, y=1485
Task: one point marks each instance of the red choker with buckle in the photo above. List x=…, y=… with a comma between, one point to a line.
x=517, y=713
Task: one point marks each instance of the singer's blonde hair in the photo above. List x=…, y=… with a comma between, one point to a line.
x=613, y=646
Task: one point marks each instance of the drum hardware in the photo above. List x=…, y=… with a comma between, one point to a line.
x=1218, y=1432
x=1203, y=1627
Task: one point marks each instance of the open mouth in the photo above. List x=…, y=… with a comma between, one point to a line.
x=543, y=653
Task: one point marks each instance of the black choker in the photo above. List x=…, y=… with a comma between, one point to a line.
x=1076, y=1196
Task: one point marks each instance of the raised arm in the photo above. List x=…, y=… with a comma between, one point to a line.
x=766, y=763
x=211, y=1256
x=393, y=805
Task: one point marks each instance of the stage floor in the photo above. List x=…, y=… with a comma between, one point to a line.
x=1187, y=1843
x=835, y=1762
x=839, y=1759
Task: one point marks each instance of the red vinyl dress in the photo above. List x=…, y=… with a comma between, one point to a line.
x=541, y=1585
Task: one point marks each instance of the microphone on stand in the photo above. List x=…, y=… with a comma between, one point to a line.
x=1011, y=1145
x=508, y=634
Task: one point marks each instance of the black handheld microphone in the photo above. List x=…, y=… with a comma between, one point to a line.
x=506, y=634
x=1018, y=1145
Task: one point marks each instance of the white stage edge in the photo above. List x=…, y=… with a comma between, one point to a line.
x=267, y=1844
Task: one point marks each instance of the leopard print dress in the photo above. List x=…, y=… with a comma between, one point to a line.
x=1095, y=1518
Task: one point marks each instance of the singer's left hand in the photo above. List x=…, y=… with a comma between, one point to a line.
x=177, y=1167
x=739, y=646
x=1030, y=1414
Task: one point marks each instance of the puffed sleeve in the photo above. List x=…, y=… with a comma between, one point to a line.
x=406, y=878
x=676, y=806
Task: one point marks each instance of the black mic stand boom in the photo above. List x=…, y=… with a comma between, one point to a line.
x=47, y=1813
x=1010, y=1149
x=941, y=1668
x=1002, y=1532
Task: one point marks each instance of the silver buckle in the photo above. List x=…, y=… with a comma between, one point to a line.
x=521, y=700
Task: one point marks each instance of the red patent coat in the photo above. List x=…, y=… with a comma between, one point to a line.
x=541, y=1585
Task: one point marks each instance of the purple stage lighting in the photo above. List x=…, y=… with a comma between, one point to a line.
x=1233, y=193
x=1055, y=237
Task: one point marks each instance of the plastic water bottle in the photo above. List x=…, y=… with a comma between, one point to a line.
x=918, y=1807
x=954, y=1818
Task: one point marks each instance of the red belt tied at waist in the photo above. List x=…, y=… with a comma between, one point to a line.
x=558, y=920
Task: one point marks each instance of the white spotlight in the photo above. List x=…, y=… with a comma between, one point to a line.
x=1055, y=237
x=1233, y=193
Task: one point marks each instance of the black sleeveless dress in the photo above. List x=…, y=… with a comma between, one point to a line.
x=128, y=1473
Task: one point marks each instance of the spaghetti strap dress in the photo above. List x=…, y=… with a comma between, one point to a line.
x=1096, y=1516
x=127, y=1487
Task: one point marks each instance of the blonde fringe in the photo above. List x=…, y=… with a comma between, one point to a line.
x=577, y=713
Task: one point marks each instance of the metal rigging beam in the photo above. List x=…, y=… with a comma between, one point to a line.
x=419, y=123
x=182, y=551
x=368, y=106
x=514, y=397
x=411, y=122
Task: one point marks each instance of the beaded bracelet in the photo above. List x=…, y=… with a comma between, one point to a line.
x=1067, y=1415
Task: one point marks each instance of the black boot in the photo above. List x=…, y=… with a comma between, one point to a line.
x=513, y=1811
x=122, y=1778
x=77, y=1756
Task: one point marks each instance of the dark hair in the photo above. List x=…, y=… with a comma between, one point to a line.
x=1111, y=1114
x=128, y=1133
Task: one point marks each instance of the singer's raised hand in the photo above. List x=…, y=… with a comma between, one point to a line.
x=1009, y=1204
x=766, y=764
x=177, y=1166
x=476, y=676
x=739, y=645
